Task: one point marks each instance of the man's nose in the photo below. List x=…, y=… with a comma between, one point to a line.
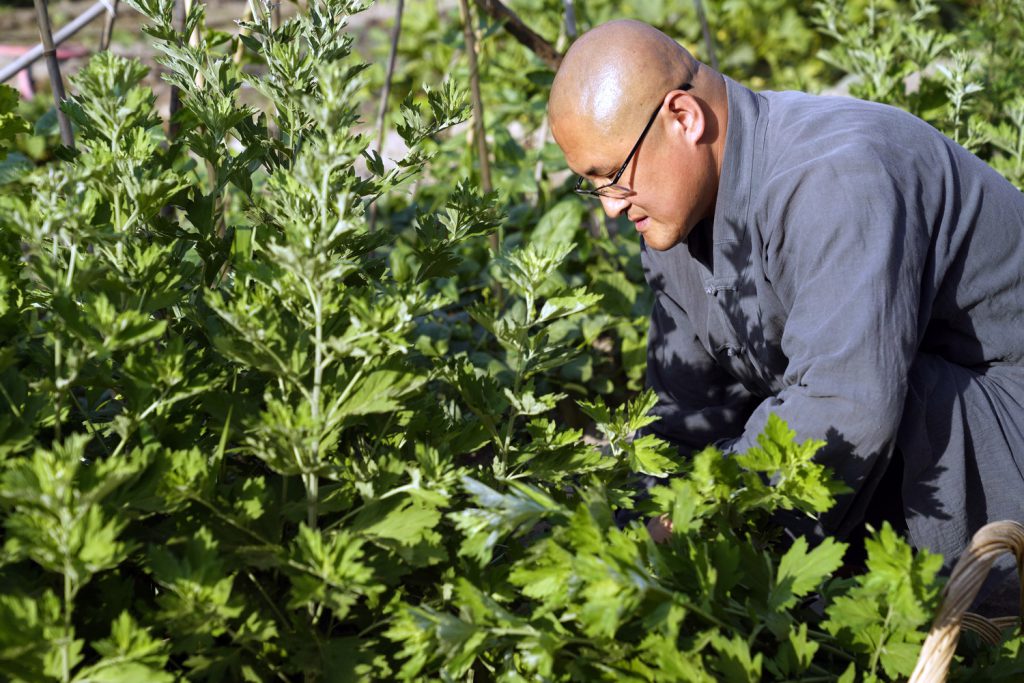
x=614, y=206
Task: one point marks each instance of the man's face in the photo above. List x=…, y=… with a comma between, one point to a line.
x=669, y=178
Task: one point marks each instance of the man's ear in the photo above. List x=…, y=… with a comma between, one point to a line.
x=687, y=113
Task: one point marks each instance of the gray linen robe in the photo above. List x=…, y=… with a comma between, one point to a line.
x=863, y=278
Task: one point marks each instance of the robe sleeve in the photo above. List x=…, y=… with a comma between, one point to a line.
x=698, y=402
x=846, y=252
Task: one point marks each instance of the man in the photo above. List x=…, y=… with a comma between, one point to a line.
x=836, y=262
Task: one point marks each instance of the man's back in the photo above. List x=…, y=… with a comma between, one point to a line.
x=971, y=304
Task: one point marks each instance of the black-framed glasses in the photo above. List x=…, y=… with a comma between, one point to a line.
x=612, y=189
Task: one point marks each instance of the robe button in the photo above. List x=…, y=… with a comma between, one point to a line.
x=731, y=352
x=709, y=290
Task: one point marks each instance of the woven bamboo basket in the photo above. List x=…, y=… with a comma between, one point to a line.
x=991, y=541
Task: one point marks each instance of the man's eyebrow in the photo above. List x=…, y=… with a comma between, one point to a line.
x=595, y=172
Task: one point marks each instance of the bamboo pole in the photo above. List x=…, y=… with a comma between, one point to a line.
x=53, y=66
x=382, y=111
x=108, y=26
x=478, y=123
x=568, y=36
x=479, y=131
x=709, y=42
x=570, y=20
x=73, y=27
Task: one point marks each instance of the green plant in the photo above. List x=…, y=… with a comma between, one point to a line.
x=245, y=438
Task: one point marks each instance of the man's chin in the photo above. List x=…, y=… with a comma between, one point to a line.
x=659, y=241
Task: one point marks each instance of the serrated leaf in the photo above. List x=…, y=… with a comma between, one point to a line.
x=650, y=455
x=801, y=571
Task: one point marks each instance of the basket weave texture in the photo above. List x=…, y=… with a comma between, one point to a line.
x=991, y=541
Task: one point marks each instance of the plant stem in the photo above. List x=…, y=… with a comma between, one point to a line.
x=312, y=484
x=310, y=478
x=193, y=41
x=824, y=640
x=178, y=23
x=396, y=32
x=57, y=353
x=65, y=645
x=53, y=66
x=89, y=426
x=273, y=607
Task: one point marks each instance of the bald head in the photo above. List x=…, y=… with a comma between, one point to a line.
x=616, y=73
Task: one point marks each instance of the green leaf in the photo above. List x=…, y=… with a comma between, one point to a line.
x=797, y=652
x=735, y=660
x=559, y=225
x=14, y=167
x=887, y=611
x=381, y=391
x=331, y=570
x=499, y=515
x=801, y=572
x=129, y=654
x=405, y=520
x=650, y=455
x=564, y=306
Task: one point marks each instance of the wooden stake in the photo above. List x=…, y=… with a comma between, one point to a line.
x=53, y=66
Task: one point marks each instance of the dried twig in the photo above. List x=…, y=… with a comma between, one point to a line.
x=53, y=66
x=396, y=33
x=521, y=32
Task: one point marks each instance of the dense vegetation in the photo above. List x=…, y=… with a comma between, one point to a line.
x=245, y=437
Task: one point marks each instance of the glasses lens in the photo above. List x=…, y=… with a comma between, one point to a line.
x=585, y=187
x=615, y=191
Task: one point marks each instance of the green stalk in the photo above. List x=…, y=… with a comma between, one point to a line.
x=312, y=484
x=57, y=352
x=517, y=385
x=310, y=479
x=65, y=644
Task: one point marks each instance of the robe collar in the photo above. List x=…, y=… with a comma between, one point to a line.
x=744, y=143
